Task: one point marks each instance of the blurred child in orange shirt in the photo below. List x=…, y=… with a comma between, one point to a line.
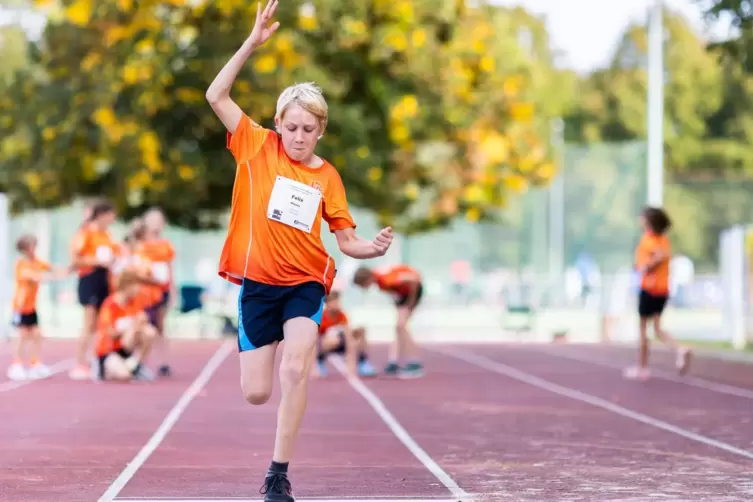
x=336, y=336
x=124, y=334
x=404, y=284
x=30, y=271
x=652, y=258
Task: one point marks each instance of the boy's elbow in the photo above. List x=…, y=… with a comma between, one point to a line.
x=214, y=96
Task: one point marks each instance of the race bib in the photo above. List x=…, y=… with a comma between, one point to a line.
x=161, y=272
x=294, y=204
x=104, y=254
x=123, y=324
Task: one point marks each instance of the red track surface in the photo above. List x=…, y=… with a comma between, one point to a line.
x=495, y=436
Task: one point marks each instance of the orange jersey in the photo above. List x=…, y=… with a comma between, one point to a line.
x=113, y=315
x=260, y=248
x=90, y=242
x=25, y=297
x=397, y=279
x=654, y=281
x=136, y=260
x=160, y=253
x=331, y=319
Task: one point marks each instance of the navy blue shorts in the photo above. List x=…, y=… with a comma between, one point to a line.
x=264, y=308
x=151, y=312
x=94, y=288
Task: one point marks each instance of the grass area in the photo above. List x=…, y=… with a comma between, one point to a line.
x=716, y=345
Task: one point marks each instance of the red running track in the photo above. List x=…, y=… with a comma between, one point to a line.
x=496, y=436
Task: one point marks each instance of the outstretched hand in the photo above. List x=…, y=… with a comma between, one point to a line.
x=383, y=240
x=262, y=30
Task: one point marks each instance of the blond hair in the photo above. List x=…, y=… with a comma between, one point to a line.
x=128, y=278
x=309, y=97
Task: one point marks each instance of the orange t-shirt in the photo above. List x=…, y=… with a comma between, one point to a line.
x=656, y=281
x=397, y=279
x=160, y=253
x=137, y=261
x=265, y=250
x=331, y=319
x=25, y=297
x=90, y=242
x=111, y=315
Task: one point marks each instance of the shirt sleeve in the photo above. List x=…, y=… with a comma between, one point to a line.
x=79, y=242
x=643, y=252
x=247, y=140
x=335, y=208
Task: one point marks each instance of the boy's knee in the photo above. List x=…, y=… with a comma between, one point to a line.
x=293, y=369
x=256, y=394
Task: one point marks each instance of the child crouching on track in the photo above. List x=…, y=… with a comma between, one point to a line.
x=30, y=271
x=337, y=337
x=124, y=334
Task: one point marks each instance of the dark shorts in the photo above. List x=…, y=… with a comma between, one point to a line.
x=94, y=288
x=101, y=360
x=151, y=312
x=651, y=305
x=25, y=320
x=404, y=301
x=264, y=308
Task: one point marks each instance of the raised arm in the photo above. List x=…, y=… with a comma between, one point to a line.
x=218, y=93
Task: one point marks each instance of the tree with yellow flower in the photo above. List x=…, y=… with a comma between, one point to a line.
x=437, y=109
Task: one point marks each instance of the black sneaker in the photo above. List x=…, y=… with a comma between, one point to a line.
x=277, y=488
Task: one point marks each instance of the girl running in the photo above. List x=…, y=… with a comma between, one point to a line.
x=652, y=259
x=273, y=247
x=30, y=271
x=93, y=253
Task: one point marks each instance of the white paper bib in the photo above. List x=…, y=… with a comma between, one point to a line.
x=161, y=272
x=294, y=204
x=104, y=254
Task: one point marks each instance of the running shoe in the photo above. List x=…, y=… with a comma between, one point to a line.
x=683, y=360
x=16, y=372
x=365, y=369
x=411, y=370
x=277, y=488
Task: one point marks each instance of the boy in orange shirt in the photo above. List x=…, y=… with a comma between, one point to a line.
x=404, y=284
x=124, y=334
x=652, y=258
x=282, y=196
x=30, y=271
x=337, y=337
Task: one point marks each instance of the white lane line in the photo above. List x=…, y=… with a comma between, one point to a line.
x=688, y=380
x=509, y=371
x=169, y=422
x=400, y=432
x=56, y=368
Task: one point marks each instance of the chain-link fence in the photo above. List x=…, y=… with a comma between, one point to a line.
x=563, y=249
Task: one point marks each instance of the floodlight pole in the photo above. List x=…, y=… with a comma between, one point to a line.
x=655, y=112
